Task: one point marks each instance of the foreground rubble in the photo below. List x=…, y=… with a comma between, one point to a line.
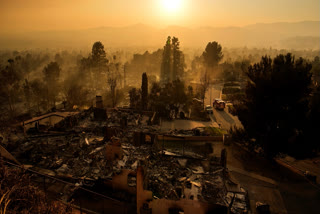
x=128, y=157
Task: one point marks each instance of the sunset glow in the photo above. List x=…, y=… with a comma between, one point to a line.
x=21, y=15
x=159, y=106
x=171, y=5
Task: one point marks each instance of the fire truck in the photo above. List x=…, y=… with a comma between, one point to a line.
x=219, y=104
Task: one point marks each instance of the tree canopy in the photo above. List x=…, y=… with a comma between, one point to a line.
x=51, y=76
x=212, y=54
x=172, y=65
x=51, y=72
x=275, y=107
x=98, y=52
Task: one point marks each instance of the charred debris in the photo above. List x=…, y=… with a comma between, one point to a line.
x=121, y=161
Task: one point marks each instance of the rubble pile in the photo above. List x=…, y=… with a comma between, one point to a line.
x=175, y=178
x=132, y=157
x=73, y=155
x=82, y=152
x=213, y=189
x=89, y=125
x=132, y=119
x=238, y=201
x=99, y=150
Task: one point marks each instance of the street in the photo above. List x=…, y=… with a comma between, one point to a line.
x=224, y=118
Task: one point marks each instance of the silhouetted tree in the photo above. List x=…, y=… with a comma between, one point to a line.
x=276, y=103
x=113, y=77
x=179, y=96
x=27, y=93
x=98, y=53
x=212, y=55
x=177, y=61
x=98, y=63
x=58, y=59
x=52, y=72
x=316, y=71
x=75, y=94
x=84, y=70
x=158, y=100
x=172, y=66
x=312, y=146
x=10, y=84
x=144, y=91
x=166, y=62
x=39, y=94
x=204, y=85
x=168, y=99
x=146, y=62
x=112, y=82
x=51, y=77
x=134, y=95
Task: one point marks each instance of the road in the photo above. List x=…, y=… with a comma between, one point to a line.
x=224, y=118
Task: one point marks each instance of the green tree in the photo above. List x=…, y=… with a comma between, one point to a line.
x=275, y=107
x=144, y=91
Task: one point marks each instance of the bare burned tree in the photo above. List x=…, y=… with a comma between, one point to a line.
x=113, y=79
x=112, y=82
x=204, y=85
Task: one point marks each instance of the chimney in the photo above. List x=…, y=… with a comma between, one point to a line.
x=99, y=103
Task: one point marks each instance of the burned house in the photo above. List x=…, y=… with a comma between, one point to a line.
x=131, y=167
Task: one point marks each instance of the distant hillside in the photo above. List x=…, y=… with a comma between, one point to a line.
x=299, y=35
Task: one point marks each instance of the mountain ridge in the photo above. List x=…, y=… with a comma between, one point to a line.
x=256, y=35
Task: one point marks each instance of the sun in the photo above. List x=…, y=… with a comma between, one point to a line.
x=171, y=5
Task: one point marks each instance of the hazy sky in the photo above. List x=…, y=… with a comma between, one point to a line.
x=28, y=15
